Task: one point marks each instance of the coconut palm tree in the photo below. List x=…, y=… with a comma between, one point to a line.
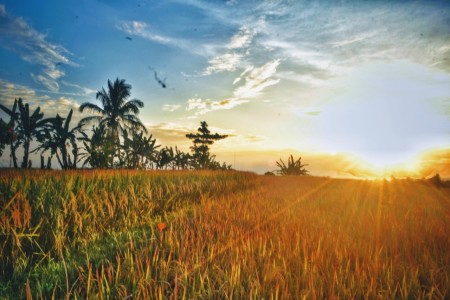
x=115, y=112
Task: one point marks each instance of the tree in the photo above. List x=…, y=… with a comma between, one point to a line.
x=138, y=151
x=181, y=159
x=99, y=149
x=202, y=140
x=164, y=158
x=14, y=142
x=115, y=112
x=59, y=138
x=30, y=127
x=6, y=135
x=292, y=168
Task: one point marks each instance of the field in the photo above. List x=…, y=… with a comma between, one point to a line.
x=220, y=235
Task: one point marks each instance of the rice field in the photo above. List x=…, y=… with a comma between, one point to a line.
x=220, y=235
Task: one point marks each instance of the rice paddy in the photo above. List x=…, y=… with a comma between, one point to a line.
x=220, y=235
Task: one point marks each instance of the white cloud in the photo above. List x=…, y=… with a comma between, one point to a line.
x=51, y=85
x=17, y=36
x=171, y=107
x=242, y=39
x=306, y=79
x=142, y=29
x=248, y=69
x=237, y=49
x=86, y=91
x=255, y=81
x=225, y=62
x=203, y=106
x=353, y=39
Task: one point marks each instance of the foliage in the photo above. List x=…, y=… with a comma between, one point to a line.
x=29, y=127
x=201, y=157
x=116, y=114
x=219, y=235
x=118, y=138
x=59, y=137
x=292, y=168
x=6, y=135
x=99, y=149
x=138, y=151
x=14, y=143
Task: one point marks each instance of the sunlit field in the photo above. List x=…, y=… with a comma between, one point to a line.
x=220, y=235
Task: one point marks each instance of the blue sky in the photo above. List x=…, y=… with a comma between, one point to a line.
x=331, y=80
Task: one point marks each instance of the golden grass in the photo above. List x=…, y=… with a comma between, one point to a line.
x=221, y=235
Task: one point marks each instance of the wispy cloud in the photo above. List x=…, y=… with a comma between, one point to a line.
x=19, y=37
x=255, y=80
x=242, y=39
x=319, y=43
x=203, y=106
x=224, y=62
x=86, y=91
x=142, y=30
x=353, y=39
x=171, y=107
x=235, y=51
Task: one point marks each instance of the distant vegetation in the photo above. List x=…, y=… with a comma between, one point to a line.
x=293, y=167
x=118, y=138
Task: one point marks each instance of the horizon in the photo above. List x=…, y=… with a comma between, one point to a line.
x=358, y=90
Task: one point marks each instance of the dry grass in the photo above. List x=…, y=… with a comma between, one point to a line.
x=221, y=235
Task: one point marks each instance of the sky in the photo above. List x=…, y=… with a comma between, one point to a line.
x=356, y=88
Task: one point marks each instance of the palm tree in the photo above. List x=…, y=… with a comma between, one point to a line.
x=115, y=112
x=293, y=167
x=60, y=138
x=14, y=142
x=30, y=127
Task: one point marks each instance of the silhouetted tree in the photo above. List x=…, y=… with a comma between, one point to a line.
x=200, y=150
x=14, y=143
x=292, y=167
x=182, y=159
x=99, y=149
x=164, y=158
x=59, y=138
x=6, y=135
x=30, y=127
x=138, y=151
x=436, y=180
x=115, y=112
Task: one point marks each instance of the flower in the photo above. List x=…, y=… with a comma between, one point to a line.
x=161, y=226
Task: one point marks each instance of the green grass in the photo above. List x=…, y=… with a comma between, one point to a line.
x=93, y=234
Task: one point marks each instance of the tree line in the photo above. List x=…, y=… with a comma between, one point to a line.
x=118, y=138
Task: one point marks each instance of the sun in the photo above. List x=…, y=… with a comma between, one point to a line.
x=389, y=167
